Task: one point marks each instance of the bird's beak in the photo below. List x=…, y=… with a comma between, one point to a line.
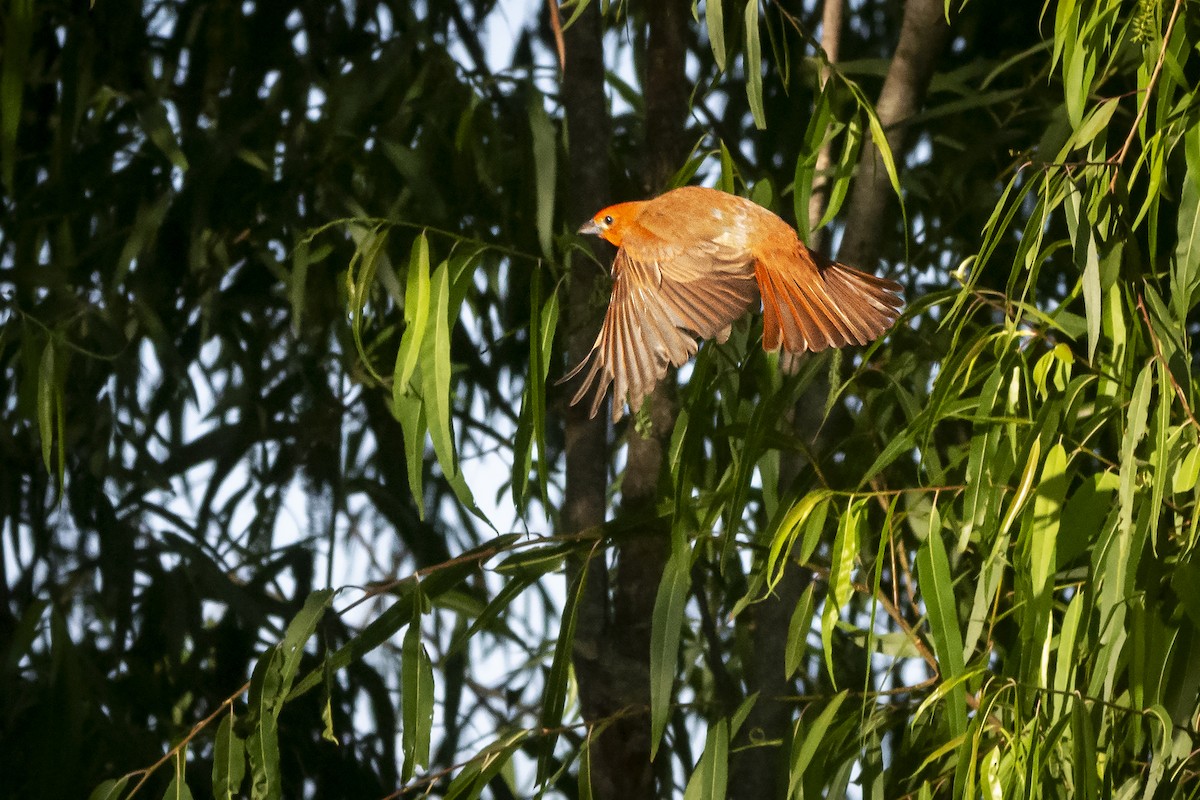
x=590, y=227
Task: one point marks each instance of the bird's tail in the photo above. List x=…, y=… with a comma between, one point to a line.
x=822, y=305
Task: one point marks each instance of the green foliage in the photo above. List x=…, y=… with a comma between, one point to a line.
x=258, y=258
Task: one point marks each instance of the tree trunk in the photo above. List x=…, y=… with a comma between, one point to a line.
x=612, y=642
x=923, y=36
x=586, y=442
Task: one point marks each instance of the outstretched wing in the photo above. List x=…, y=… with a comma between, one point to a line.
x=652, y=323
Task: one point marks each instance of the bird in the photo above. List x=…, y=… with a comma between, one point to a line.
x=690, y=263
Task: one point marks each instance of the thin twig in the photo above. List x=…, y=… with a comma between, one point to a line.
x=1158, y=355
x=146, y=772
x=1162, y=56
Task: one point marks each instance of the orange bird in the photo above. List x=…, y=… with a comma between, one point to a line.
x=690, y=262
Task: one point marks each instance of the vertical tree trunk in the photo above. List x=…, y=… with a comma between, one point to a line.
x=642, y=557
x=924, y=34
x=584, y=504
x=612, y=645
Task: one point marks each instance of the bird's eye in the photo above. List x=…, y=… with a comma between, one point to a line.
x=608, y=219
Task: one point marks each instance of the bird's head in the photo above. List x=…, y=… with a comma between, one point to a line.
x=610, y=223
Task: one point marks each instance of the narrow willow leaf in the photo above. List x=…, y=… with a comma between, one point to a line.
x=229, y=760
x=1085, y=778
x=177, y=789
x=1135, y=429
x=1091, y=288
x=531, y=424
x=545, y=166
x=262, y=747
x=416, y=697
x=491, y=615
x=554, y=698
x=804, y=180
x=740, y=714
x=1065, y=655
x=478, y=773
x=937, y=589
x=360, y=279
x=154, y=121
x=18, y=33
x=111, y=789
x=48, y=398
x=410, y=410
x=547, y=330
x=807, y=741
x=788, y=529
x=1185, y=291
x=435, y=359
x=522, y=451
x=798, y=629
x=753, y=62
x=1160, y=455
x=1187, y=472
x=448, y=577
x=1024, y=487
x=665, y=626
x=725, y=181
x=709, y=780
x=1161, y=754
x=714, y=18
x=841, y=568
x=416, y=319
x=298, y=284
x=839, y=182
x=585, y=770
x=299, y=631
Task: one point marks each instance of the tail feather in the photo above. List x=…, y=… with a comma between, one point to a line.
x=811, y=307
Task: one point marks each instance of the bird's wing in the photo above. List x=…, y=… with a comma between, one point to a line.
x=651, y=324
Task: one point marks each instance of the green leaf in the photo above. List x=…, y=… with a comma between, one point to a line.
x=554, y=698
x=177, y=789
x=154, y=120
x=785, y=533
x=229, y=760
x=299, y=631
x=806, y=163
x=18, y=34
x=798, y=630
x=545, y=166
x=298, y=284
x=805, y=745
x=435, y=359
x=410, y=410
x=665, y=626
x=714, y=18
x=1135, y=429
x=710, y=779
x=416, y=698
x=841, y=568
x=937, y=589
x=753, y=62
x=111, y=789
x=262, y=746
x=48, y=399
x=1187, y=472
x=1185, y=290
x=416, y=318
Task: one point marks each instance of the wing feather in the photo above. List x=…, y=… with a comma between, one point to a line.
x=638, y=341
